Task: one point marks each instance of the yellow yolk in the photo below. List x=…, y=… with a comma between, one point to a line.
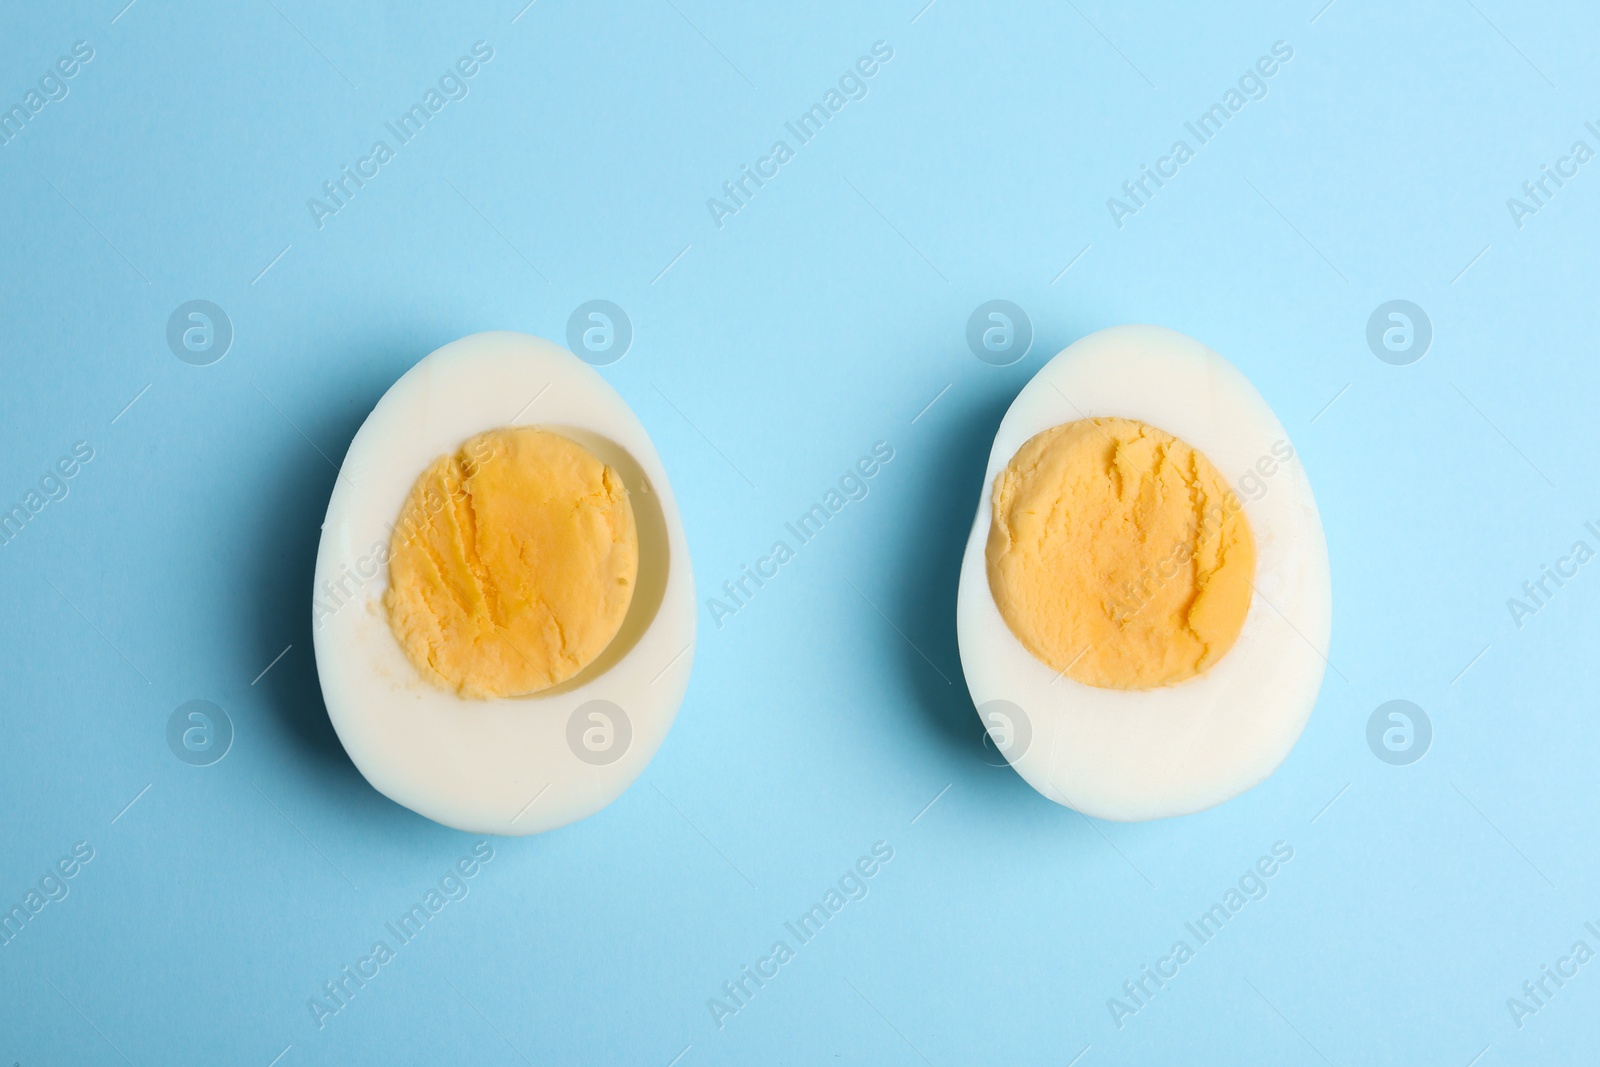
x=512, y=565
x=1118, y=555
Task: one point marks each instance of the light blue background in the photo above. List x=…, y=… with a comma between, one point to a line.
x=774, y=352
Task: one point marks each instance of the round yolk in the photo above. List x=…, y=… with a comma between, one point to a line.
x=1118, y=555
x=512, y=565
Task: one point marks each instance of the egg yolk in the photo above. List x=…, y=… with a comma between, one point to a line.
x=512, y=565
x=1118, y=555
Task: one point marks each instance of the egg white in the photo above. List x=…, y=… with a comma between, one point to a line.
x=496, y=766
x=1145, y=754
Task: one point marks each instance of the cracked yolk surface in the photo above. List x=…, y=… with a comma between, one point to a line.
x=1118, y=555
x=512, y=565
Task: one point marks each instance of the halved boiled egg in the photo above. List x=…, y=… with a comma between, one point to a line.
x=1144, y=605
x=503, y=610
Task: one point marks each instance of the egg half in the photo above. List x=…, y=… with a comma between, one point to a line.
x=1150, y=748
x=517, y=764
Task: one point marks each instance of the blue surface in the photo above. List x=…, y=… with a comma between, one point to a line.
x=769, y=353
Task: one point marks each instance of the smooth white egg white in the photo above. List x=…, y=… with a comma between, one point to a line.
x=519, y=765
x=1145, y=754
